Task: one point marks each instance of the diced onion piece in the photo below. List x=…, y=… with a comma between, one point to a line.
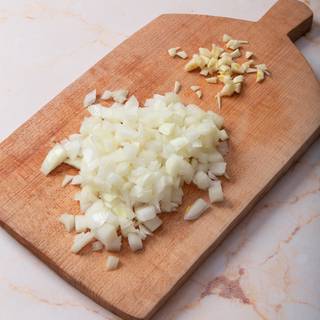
x=120, y=95
x=97, y=246
x=201, y=180
x=166, y=128
x=76, y=163
x=218, y=168
x=90, y=98
x=81, y=240
x=81, y=223
x=54, y=158
x=182, y=54
x=196, y=210
x=215, y=192
x=106, y=234
x=76, y=180
x=177, y=87
x=135, y=241
x=223, y=135
x=107, y=94
x=132, y=102
x=153, y=224
x=112, y=262
x=145, y=213
x=68, y=221
x=143, y=232
x=67, y=179
x=115, y=244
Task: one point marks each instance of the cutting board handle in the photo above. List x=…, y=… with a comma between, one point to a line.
x=290, y=17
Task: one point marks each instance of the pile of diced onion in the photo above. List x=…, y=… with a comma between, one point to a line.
x=133, y=162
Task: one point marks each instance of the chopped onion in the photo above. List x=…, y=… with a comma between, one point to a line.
x=76, y=180
x=135, y=242
x=134, y=162
x=145, y=213
x=114, y=245
x=81, y=223
x=215, y=192
x=106, y=234
x=112, y=262
x=81, y=240
x=90, y=98
x=107, y=94
x=153, y=224
x=196, y=210
x=218, y=168
x=67, y=179
x=97, y=246
x=54, y=158
x=68, y=221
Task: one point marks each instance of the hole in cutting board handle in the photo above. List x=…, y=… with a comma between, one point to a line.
x=290, y=17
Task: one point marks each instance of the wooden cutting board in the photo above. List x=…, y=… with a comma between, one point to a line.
x=270, y=125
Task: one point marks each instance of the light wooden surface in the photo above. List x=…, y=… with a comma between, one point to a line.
x=270, y=125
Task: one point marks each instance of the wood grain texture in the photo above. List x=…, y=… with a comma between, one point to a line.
x=270, y=124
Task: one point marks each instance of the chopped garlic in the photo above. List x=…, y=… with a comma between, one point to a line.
x=173, y=51
x=238, y=79
x=195, y=88
x=90, y=98
x=218, y=97
x=236, y=68
x=251, y=70
x=212, y=80
x=204, y=72
x=260, y=75
x=216, y=51
x=112, y=262
x=235, y=44
x=248, y=54
x=205, y=52
x=236, y=53
x=177, y=87
x=199, y=94
x=182, y=54
x=226, y=38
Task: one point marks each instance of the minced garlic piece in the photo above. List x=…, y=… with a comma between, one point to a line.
x=212, y=80
x=226, y=38
x=173, y=51
x=199, y=94
x=182, y=54
x=235, y=44
x=248, y=54
x=195, y=88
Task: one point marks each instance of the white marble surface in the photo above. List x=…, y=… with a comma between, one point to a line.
x=269, y=266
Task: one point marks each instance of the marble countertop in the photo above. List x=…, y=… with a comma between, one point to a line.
x=267, y=268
